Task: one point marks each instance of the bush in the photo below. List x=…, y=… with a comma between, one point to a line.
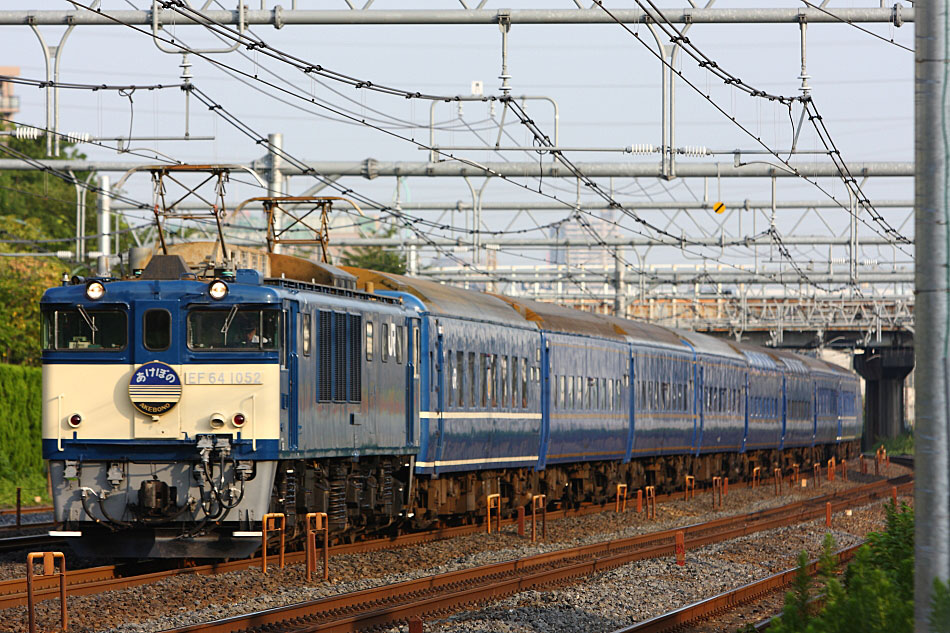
x=877, y=595
x=903, y=444
x=21, y=458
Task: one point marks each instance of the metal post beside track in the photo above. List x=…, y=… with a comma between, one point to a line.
x=539, y=502
x=816, y=472
x=690, y=487
x=49, y=569
x=268, y=523
x=831, y=469
x=621, y=506
x=717, y=492
x=755, y=476
x=777, y=481
x=651, y=502
x=318, y=522
x=494, y=501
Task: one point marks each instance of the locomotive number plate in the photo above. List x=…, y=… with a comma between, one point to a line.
x=223, y=378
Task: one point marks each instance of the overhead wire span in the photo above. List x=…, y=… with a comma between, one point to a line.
x=857, y=26
x=260, y=46
x=687, y=46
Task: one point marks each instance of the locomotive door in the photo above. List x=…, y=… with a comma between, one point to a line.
x=288, y=379
x=160, y=339
x=546, y=402
x=412, y=381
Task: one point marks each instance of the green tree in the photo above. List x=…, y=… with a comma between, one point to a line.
x=380, y=258
x=22, y=283
x=796, y=613
x=40, y=195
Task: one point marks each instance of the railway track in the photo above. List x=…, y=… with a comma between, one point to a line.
x=109, y=577
x=698, y=611
x=437, y=595
x=28, y=510
x=28, y=541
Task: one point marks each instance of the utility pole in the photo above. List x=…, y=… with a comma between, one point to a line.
x=275, y=179
x=103, y=267
x=932, y=278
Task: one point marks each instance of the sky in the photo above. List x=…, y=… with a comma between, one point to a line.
x=605, y=81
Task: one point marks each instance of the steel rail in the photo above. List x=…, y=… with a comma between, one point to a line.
x=93, y=580
x=12, y=543
x=107, y=578
x=398, y=602
x=729, y=600
x=30, y=510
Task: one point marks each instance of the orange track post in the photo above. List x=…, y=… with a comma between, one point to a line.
x=864, y=466
x=639, y=501
x=831, y=469
x=680, y=548
x=725, y=486
x=777, y=481
x=49, y=569
x=317, y=522
x=717, y=491
x=539, y=502
x=621, y=494
x=494, y=501
x=844, y=470
x=520, y=520
x=796, y=475
x=268, y=524
x=828, y=514
x=755, y=476
x=415, y=625
x=651, y=502
x=894, y=496
x=816, y=471
x=690, y=486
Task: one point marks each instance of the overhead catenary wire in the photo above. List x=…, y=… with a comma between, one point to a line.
x=694, y=52
x=307, y=68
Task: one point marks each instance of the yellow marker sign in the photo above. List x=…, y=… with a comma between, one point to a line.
x=719, y=207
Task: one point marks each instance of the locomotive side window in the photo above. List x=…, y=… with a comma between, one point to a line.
x=157, y=330
x=305, y=332
x=369, y=340
x=384, y=343
x=85, y=330
x=400, y=342
x=233, y=330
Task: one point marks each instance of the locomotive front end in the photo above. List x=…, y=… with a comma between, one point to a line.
x=162, y=412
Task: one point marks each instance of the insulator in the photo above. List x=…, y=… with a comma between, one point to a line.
x=27, y=133
x=693, y=150
x=64, y=254
x=77, y=137
x=641, y=148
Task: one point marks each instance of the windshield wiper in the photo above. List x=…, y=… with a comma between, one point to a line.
x=227, y=321
x=87, y=318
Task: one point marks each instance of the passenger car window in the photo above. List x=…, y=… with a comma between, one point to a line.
x=93, y=330
x=157, y=330
x=233, y=330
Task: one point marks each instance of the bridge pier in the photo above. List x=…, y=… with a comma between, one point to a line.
x=884, y=370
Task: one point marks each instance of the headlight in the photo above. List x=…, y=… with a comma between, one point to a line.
x=218, y=289
x=95, y=290
x=74, y=420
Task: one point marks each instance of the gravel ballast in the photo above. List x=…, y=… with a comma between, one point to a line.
x=186, y=600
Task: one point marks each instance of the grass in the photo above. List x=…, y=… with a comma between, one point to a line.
x=32, y=486
x=903, y=444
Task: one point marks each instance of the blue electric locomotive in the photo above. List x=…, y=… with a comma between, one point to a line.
x=183, y=403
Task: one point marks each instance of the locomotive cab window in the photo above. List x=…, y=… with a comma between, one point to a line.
x=157, y=330
x=82, y=329
x=233, y=330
